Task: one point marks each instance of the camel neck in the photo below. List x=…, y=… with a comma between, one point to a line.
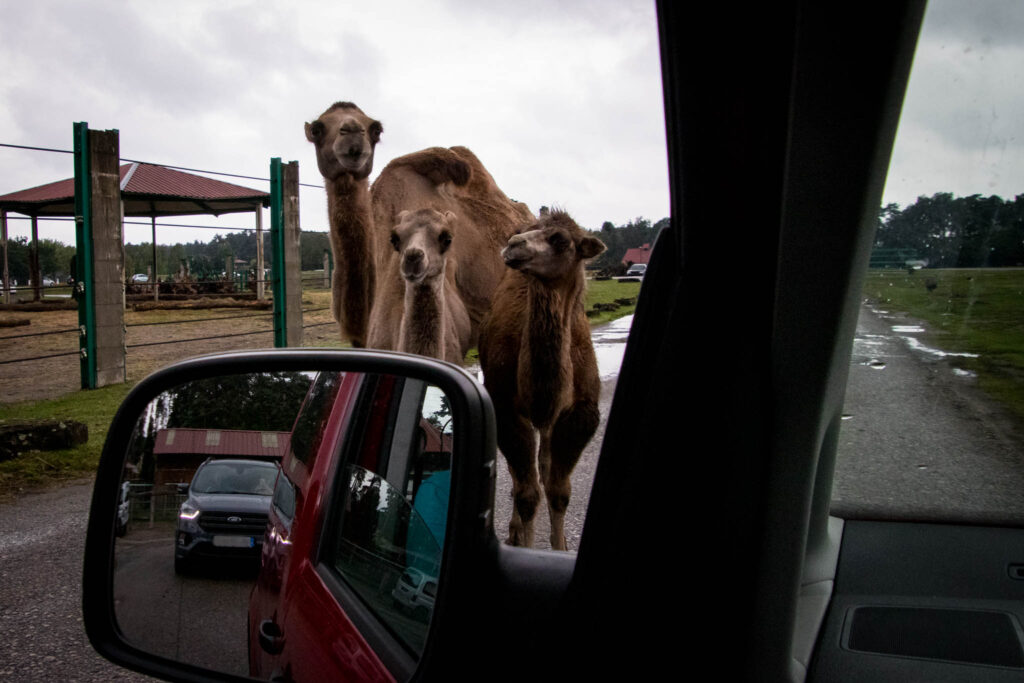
x=422, y=325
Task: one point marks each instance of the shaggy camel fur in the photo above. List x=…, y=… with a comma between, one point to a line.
x=540, y=369
x=345, y=138
x=434, y=320
x=446, y=180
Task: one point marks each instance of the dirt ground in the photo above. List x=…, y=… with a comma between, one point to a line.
x=194, y=333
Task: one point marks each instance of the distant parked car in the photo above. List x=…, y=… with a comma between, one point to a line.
x=48, y=282
x=637, y=269
x=140, y=277
x=415, y=592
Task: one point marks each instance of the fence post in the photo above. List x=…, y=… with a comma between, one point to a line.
x=327, y=268
x=287, y=263
x=100, y=257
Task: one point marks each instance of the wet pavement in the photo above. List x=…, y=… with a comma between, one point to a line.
x=919, y=440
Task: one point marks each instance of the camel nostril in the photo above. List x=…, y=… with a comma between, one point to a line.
x=413, y=256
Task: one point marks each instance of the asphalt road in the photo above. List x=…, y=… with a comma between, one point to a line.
x=42, y=538
x=918, y=438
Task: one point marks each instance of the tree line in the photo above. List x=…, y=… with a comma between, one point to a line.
x=955, y=232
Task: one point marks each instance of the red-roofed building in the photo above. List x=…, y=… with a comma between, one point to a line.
x=146, y=190
x=637, y=255
x=180, y=451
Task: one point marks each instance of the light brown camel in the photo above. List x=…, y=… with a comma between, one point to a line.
x=446, y=180
x=434, y=320
x=540, y=369
x=345, y=138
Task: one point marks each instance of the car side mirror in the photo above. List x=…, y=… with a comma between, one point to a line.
x=284, y=504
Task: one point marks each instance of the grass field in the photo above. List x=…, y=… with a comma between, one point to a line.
x=977, y=311
x=97, y=407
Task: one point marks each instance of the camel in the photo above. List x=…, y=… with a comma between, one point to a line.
x=540, y=368
x=434, y=320
x=345, y=139
x=445, y=180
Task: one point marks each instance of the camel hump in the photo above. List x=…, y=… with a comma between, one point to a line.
x=438, y=164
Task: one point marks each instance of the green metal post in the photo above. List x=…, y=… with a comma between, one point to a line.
x=84, y=258
x=277, y=247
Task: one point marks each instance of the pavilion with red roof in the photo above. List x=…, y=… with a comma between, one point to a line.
x=146, y=190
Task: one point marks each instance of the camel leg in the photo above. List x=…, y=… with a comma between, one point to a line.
x=570, y=435
x=517, y=443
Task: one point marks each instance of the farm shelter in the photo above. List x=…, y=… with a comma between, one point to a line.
x=180, y=451
x=104, y=191
x=147, y=190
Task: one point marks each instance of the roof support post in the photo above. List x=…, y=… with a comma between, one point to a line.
x=287, y=264
x=33, y=261
x=260, y=267
x=100, y=257
x=153, y=282
x=3, y=246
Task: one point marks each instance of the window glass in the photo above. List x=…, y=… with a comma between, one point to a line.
x=392, y=504
x=935, y=400
x=312, y=419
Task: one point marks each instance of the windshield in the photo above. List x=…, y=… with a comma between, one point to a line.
x=252, y=478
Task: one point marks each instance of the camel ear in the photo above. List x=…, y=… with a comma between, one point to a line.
x=402, y=214
x=449, y=217
x=590, y=247
x=376, y=128
x=314, y=131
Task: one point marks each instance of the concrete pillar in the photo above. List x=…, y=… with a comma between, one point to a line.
x=108, y=257
x=292, y=253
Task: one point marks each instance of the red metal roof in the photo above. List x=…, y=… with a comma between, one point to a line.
x=147, y=190
x=637, y=254
x=222, y=442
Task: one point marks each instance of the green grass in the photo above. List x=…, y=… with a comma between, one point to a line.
x=977, y=311
x=31, y=470
x=96, y=407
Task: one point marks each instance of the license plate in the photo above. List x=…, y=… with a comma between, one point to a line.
x=233, y=541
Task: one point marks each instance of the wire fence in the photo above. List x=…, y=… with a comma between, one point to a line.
x=43, y=362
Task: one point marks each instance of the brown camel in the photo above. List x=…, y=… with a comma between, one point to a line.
x=345, y=138
x=446, y=180
x=540, y=369
x=434, y=320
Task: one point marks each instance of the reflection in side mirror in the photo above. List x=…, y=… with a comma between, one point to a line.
x=240, y=491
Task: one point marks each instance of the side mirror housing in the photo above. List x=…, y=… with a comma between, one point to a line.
x=390, y=423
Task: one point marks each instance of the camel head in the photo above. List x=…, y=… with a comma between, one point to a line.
x=422, y=238
x=552, y=248
x=344, y=138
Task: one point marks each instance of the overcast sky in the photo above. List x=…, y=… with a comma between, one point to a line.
x=561, y=101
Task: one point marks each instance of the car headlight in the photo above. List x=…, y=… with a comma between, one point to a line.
x=187, y=516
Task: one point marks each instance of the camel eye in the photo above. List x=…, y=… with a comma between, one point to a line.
x=558, y=241
x=445, y=240
x=394, y=240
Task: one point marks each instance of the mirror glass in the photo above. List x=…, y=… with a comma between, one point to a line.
x=257, y=511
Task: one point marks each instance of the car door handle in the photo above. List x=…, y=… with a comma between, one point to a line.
x=271, y=637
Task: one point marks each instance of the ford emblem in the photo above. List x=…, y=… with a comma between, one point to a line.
x=234, y=520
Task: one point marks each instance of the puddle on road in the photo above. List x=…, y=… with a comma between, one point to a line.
x=609, y=346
